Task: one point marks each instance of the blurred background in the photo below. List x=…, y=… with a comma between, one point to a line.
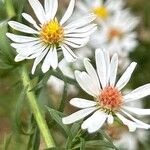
x=14, y=111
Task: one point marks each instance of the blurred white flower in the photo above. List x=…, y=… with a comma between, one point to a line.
x=130, y=141
x=103, y=10
x=109, y=101
x=116, y=34
x=49, y=34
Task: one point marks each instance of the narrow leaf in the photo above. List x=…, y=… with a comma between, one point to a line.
x=57, y=116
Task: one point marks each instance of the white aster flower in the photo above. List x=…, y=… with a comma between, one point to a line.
x=130, y=141
x=116, y=34
x=49, y=35
x=109, y=100
x=102, y=10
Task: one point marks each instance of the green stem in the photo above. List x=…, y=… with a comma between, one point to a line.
x=68, y=79
x=35, y=109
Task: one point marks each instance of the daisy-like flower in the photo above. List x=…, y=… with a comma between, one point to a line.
x=116, y=34
x=102, y=10
x=49, y=35
x=109, y=100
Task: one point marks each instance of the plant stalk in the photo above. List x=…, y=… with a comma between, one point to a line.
x=36, y=110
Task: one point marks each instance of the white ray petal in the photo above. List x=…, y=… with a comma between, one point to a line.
x=76, y=44
x=68, y=12
x=81, y=22
x=110, y=119
x=78, y=115
x=107, y=61
x=21, y=39
x=126, y=76
x=78, y=40
x=32, y=48
x=82, y=6
x=38, y=10
x=68, y=54
x=81, y=30
x=36, y=54
x=82, y=103
x=131, y=125
x=48, y=4
x=54, y=59
x=23, y=45
x=81, y=35
x=26, y=51
x=73, y=45
x=21, y=27
x=54, y=8
x=137, y=111
x=138, y=122
x=101, y=66
x=138, y=93
x=94, y=122
x=30, y=20
x=51, y=7
x=83, y=84
x=114, y=5
x=91, y=71
x=113, y=69
x=96, y=3
x=19, y=57
x=88, y=81
x=39, y=59
x=47, y=61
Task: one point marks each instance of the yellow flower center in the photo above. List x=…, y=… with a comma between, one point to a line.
x=101, y=12
x=114, y=33
x=110, y=99
x=52, y=32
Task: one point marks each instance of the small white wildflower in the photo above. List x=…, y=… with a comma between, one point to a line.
x=109, y=100
x=102, y=10
x=50, y=34
x=116, y=34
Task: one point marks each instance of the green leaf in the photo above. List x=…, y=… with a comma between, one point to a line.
x=82, y=142
x=20, y=7
x=6, y=52
x=75, y=128
x=94, y=143
x=3, y=22
x=107, y=137
x=56, y=148
x=63, y=99
x=42, y=81
x=7, y=141
x=18, y=110
x=5, y=66
x=36, y=139
x=57, y=116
